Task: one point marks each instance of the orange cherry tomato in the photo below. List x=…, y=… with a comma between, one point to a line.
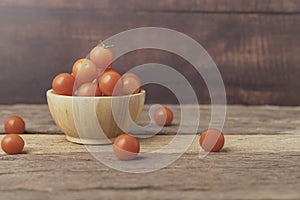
x=102, y=56
x=107, y=82
x=131, y=84
x=12, y=144
x=84, y=71
x=89, y=89
x=14, y=124
x=111, y=70
x=126, y=147
x=63, y=84
x=163, y=116
x=212, y=140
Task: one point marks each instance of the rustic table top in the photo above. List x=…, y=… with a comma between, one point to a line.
x=260, y=160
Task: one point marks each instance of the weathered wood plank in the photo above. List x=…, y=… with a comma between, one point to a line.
x=257, y=6
x=257, y=54
x=219, y=176
x=239, y=119
x=256, y=144
x=251, y=167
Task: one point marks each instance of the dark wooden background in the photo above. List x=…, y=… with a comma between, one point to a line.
x=255, y=44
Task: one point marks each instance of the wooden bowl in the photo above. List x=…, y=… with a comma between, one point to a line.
x=95, y=120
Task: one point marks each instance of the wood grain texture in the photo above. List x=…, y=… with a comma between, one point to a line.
x=270, y=120
x=273, y=6
x=250, y=167
x=95, y=117
x=255, y=44
x=56, y=144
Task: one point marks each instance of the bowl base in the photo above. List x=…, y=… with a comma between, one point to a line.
x=88, y=141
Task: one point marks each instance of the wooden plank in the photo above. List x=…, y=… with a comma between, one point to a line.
x=256, y=55
x=257, y=6
x=239, y=119
x=250, y=167
x=256, y=144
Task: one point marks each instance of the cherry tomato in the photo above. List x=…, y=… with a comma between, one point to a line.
x=111, y=70
x=163, y=116
x=107, y=82
x=102, y=56
x=12, y=144
x=100, y=70
x=126, y=147
x=14, y=124
x=63, y=84
x=131, y=84
x=89, y=89
x=212, y=140
x=84, y=71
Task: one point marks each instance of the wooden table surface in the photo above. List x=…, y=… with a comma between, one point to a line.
x=260, y=160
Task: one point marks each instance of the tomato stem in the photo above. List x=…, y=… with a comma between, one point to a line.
x=104, y=45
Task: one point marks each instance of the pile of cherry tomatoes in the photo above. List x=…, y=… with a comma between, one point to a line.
x=95, y=77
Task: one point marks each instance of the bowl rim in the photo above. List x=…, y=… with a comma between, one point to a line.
x=50, y=93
